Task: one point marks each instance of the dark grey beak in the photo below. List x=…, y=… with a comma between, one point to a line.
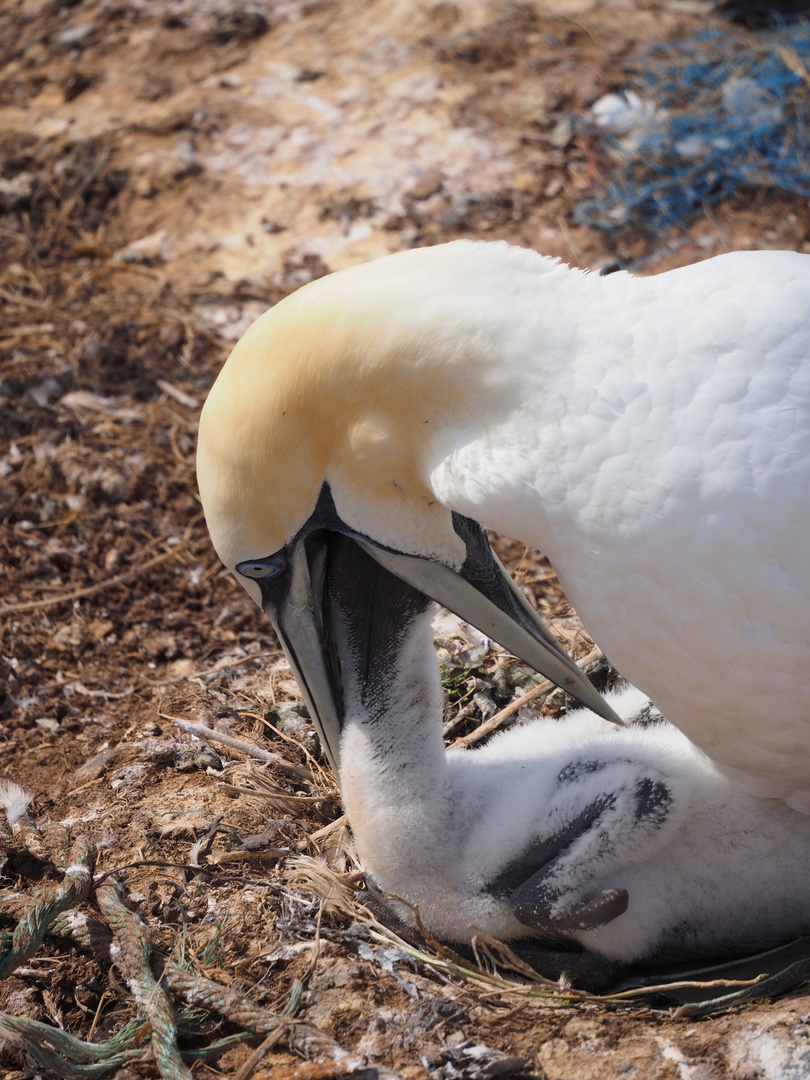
x=483, y=594
x=295, y=585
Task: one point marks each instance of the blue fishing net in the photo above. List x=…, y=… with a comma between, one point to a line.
x=705, y=118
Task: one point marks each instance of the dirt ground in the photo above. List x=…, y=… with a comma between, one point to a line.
x=170, y=170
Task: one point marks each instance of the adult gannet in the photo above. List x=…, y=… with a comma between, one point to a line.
x=650, y=435
x=625, y=840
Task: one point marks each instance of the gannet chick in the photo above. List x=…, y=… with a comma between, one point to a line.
x=626, y=840
x=650, y=435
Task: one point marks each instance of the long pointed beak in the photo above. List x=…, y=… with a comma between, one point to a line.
x=484, y=595
x=298, y=619
x=321, y=583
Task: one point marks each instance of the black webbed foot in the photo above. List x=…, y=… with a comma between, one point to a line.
x=555, y=885
x=535, y=905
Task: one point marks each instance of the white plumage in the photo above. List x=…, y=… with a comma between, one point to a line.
x=650, y=435
x=626, y=839
x=660, y=456
x=711, y=870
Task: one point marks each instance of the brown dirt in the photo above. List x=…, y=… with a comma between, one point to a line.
x=169, y=171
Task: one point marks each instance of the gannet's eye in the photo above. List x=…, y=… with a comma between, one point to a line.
x=260, y=569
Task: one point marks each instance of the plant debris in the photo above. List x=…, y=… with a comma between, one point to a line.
x=169, y=171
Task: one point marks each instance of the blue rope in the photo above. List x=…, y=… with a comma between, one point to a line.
x=703, y=149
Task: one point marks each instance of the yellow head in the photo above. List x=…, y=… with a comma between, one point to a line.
x=362, y=379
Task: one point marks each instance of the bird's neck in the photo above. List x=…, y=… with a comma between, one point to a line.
x=394, y=776
x=392, y=754
x=393, y=771
x=553, y=411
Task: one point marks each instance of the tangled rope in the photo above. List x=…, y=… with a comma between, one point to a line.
x=16, y=947
x=705, y=118
x=130, y=950
x=123, y=939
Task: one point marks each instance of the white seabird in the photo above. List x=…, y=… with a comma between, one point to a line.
x=650, y=435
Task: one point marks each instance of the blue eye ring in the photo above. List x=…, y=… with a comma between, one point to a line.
x=261, y=569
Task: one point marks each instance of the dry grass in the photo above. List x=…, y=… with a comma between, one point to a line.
x=118, y=626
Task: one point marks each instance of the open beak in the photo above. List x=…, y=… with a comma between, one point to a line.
x=298, y=616
x=484, y=595
x=295, y=586
x=312, y=590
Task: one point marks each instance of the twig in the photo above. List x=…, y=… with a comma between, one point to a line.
x=245, y=1071
x=27, y=331
x=202, y=731
x=494, y=722
x=179, y=395
x=66, y=598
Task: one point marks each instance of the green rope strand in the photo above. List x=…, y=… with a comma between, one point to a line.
x=60, y=1054
x=34, y=924
x=130, y=952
